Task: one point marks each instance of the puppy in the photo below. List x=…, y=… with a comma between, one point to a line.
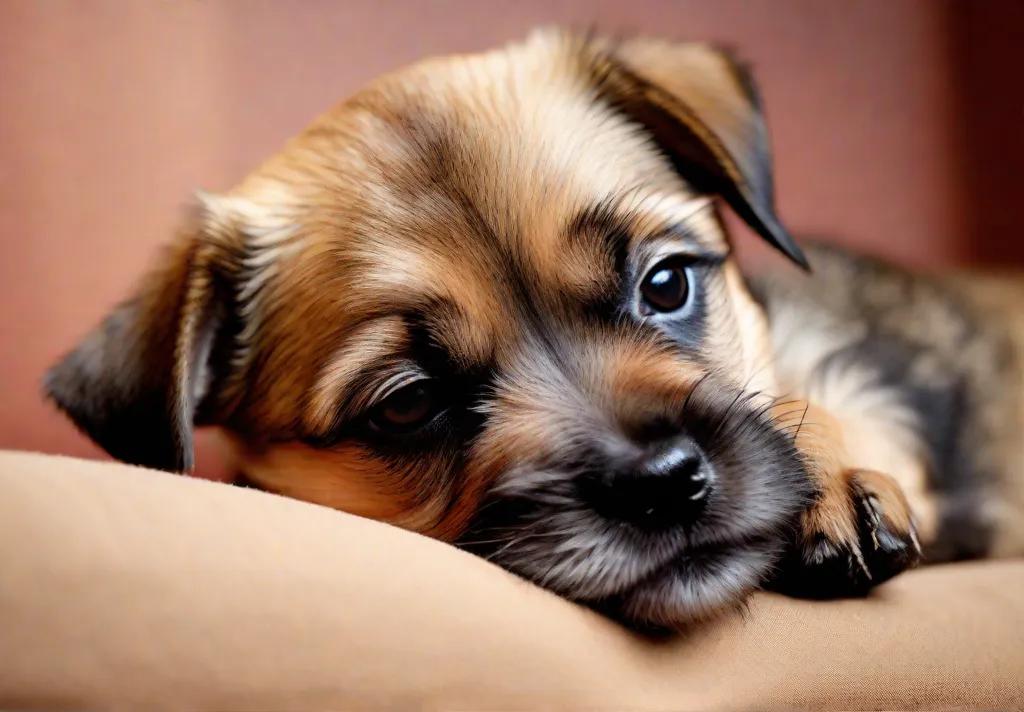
x=490, y=299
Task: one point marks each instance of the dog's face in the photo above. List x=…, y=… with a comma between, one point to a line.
x=489, y=299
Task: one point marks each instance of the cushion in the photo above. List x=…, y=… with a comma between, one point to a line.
x=133, y=589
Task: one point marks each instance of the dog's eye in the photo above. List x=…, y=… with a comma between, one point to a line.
x=665, y=288
x=406, y=408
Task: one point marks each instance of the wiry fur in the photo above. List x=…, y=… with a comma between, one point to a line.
x=484, y=222
x=926, y=382
x=536, y=524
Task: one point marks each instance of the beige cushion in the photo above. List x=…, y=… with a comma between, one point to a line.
x=132, y=589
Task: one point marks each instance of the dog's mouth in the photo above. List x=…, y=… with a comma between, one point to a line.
x=688, y=530
x=697, y=584
x=667, y=579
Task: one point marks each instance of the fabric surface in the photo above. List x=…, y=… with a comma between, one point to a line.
x=123, y=588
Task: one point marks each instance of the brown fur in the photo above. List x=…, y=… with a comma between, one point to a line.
x=487, y=203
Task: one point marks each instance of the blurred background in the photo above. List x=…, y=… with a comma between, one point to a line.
x=898, y=128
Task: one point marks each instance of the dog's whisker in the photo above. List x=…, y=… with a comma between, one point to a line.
x=500, y=312
x=524, y=538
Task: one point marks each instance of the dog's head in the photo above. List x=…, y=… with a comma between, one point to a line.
x=489, y=298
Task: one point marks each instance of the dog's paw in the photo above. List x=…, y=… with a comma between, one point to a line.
x=857, y=535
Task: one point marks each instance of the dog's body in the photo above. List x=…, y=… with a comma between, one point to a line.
x=490, y=299
x=924, y=373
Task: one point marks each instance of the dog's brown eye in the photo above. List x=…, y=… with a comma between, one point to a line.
x=405, y=409
x=665, y=288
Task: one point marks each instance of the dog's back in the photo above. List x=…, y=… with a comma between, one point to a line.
x=929, y=367
x=998, y=298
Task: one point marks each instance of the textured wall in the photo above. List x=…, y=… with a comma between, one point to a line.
x=114, y=111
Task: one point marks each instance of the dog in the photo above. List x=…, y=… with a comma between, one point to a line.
x=491, y=299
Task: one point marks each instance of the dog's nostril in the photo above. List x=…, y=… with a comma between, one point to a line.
x=668, y=489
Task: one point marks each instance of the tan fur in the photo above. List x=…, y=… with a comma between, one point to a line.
x=865, y=421
x=748, y=339
x=839, y=465
x=478, y=199
x=820, y=438
x=367, y=344
x=364, y=212
x=406, y=239
x=348, y=480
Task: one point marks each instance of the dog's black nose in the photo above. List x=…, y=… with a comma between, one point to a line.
x=668, y=488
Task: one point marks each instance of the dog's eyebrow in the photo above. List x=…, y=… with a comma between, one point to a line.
x=459, y=333
x=614, y=228
x=618, y=225
x=603, y=223
x=370, y=343
x=691, y=219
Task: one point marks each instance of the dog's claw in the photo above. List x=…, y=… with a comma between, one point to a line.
x=887, y=551
x=821, y=567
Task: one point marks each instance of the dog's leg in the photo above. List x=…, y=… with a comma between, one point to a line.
x=859, y=532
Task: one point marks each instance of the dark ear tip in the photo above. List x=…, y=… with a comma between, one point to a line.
x=768, y=227
x=788, y=246
x=141, y=438
x=55, y=386
x=799, y=258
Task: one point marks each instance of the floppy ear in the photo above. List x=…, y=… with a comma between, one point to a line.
x=703, y=108
x=135, y=383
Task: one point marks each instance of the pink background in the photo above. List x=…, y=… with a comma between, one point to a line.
x=897, y=128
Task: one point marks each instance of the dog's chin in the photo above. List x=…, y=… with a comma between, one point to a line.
x=695, y=586
x=656, y=582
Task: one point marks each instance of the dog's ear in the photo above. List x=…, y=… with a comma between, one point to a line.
x=136, y=382
x=702, y=107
